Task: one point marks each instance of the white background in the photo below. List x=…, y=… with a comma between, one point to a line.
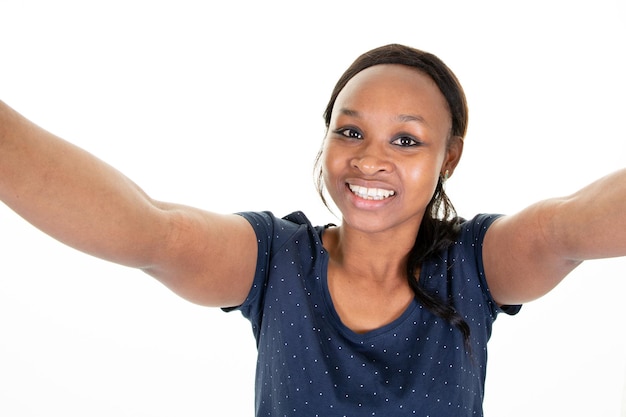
x=219, y=106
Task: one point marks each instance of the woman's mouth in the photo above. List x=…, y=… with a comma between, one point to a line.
x=371, y=193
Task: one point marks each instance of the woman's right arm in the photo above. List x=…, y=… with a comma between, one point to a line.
x=81, y=201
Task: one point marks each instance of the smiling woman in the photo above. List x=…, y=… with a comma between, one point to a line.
x=391, y=134
x=394, y=307
x=388, y=313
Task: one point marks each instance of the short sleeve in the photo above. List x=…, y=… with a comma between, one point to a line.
x=477, y=229
x=276, y=255
x=263, y=225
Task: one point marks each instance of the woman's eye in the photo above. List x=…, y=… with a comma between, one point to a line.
x=350, y=133
x=405, y=141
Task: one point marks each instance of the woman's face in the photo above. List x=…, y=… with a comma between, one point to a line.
x=386, y=145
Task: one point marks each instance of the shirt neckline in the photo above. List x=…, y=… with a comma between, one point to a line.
x=334, y=316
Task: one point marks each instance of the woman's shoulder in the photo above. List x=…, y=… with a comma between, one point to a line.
x=272, y=230
x=473, y=230
x=267, y=219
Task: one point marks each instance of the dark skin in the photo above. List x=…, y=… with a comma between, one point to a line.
x=390, y=131
x=387, y=145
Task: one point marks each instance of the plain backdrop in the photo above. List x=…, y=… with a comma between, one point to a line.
x=219, y=105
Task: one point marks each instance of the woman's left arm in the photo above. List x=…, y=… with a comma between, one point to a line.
x=527, y=254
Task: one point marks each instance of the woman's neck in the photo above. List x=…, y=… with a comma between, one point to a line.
x=377, y=257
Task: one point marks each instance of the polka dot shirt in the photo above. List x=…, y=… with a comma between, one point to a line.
x=310, y=364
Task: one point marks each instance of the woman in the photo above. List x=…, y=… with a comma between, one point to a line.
x=387, y=314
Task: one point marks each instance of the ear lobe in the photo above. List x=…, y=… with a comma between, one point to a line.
x=453, y=154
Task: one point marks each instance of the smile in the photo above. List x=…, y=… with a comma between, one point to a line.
x=371, y=193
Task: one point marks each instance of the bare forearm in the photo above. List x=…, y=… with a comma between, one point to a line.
x=592, y=222
x=71, y=195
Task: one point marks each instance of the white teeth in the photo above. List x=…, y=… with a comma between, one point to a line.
x=371, y=193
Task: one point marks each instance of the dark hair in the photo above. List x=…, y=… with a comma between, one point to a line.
x=440, y=225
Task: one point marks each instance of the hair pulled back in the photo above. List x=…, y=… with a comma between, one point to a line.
x=440, y=225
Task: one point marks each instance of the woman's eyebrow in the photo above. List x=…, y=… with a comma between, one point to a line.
x=349, y=112
x=403, y=118
x=411, y=118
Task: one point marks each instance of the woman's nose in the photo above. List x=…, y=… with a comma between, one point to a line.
x=371, y=164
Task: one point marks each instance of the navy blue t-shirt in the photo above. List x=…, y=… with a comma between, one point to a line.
x=310, y=364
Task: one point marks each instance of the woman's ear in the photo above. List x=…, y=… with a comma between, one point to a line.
x=453, y=155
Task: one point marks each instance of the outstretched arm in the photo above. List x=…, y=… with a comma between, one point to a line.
x=76, y=198
x=529, y=253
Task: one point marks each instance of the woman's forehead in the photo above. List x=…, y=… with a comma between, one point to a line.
x=393, y=88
